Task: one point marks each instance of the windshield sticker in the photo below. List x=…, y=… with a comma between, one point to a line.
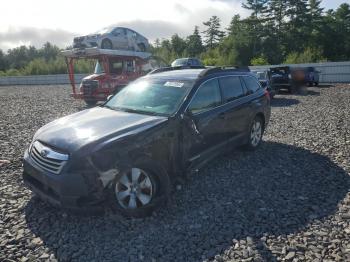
x=174, y=84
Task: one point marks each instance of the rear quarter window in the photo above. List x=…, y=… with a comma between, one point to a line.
x=251, y=84
x=231, y=88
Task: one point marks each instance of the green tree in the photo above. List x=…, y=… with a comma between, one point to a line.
x=49, y=51
x=298, y=26
x=213, y=34
x=178, y=45
x=17, y=57
x=309, y=55
x=157, y=43
x=315, y=11
x=261, y=60
x=194, y=43
x=258, y=7
x=277, y=12
x=241, y=44
x=342, y=16
x=334, y=36
x=3, y=61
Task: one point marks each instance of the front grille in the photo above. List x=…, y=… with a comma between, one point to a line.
x=89, y=86
x=47, y=158
x=78, y=39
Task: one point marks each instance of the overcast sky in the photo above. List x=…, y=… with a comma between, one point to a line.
x=33, y=22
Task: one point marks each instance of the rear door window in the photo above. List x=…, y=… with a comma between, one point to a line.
x=251, y=84
x=117, y=32
x=231, y=88
x=208, y=96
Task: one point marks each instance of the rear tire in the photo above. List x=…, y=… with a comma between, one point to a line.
x=106, y=44
x=316, y=83
x=292, y=89
x=256, y=132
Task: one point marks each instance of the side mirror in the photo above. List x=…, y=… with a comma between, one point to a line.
x=187, y=115
x=191, y=123
x=109, y=97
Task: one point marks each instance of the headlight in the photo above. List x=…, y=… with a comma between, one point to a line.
x=33, y=140
x=290, y=76
x=30, y=146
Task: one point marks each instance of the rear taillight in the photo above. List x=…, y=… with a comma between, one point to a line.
x=267, y=94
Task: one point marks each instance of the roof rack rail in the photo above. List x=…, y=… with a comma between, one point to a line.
x=172, y=68
x=224, y=69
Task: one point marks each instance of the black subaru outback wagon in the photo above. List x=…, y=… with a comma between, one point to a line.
x=128, y=151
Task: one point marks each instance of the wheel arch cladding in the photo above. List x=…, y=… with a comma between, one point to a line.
x=113, y=163
x=262, y=117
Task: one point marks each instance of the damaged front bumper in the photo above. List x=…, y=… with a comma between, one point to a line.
x=66, y=190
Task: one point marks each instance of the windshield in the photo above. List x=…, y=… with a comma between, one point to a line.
x=260, y=75
x=98, y=69
x=151, y=96
x=179, y=62
x=104, y=30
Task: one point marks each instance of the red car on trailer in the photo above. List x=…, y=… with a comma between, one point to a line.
x=114, y=69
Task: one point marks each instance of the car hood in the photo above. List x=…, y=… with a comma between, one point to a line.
x=92, y=126
x=94, y=77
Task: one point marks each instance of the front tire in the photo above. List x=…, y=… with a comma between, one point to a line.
x=106, y=44
x=255, y=133
x=138, y=191
x=292, y=89
x=142, y=47
x=90, y=102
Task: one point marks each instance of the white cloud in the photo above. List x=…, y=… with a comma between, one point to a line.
x=35, y=22
x=33, y=36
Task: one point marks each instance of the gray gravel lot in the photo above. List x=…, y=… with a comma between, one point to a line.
x=288, y=201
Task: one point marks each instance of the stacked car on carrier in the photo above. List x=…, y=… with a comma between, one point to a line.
x=121, y=56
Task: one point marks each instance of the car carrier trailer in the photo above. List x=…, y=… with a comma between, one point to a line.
x=114, y=69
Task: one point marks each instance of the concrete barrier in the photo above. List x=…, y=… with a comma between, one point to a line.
x=39, y=79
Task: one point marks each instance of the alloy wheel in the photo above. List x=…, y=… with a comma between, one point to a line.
x=134, y=189
x=256, y=133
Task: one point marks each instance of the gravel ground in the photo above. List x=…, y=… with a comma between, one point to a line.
x=288, y=201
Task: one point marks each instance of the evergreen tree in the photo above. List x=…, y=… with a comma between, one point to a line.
x=342, y=17
x=178, y=45
x=238, y=47
x=194, y=43
x=157, y=43
x=3, y=61
x=49, y=51
x=298, y=26
x=213, y=34
x=258, y=7
x=315, y=11
x=277, y=11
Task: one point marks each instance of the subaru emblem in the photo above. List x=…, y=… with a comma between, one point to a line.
x=44, y=153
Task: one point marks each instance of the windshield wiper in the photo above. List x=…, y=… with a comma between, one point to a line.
x=109, y=107
x=138, y=111
x=133, y=110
